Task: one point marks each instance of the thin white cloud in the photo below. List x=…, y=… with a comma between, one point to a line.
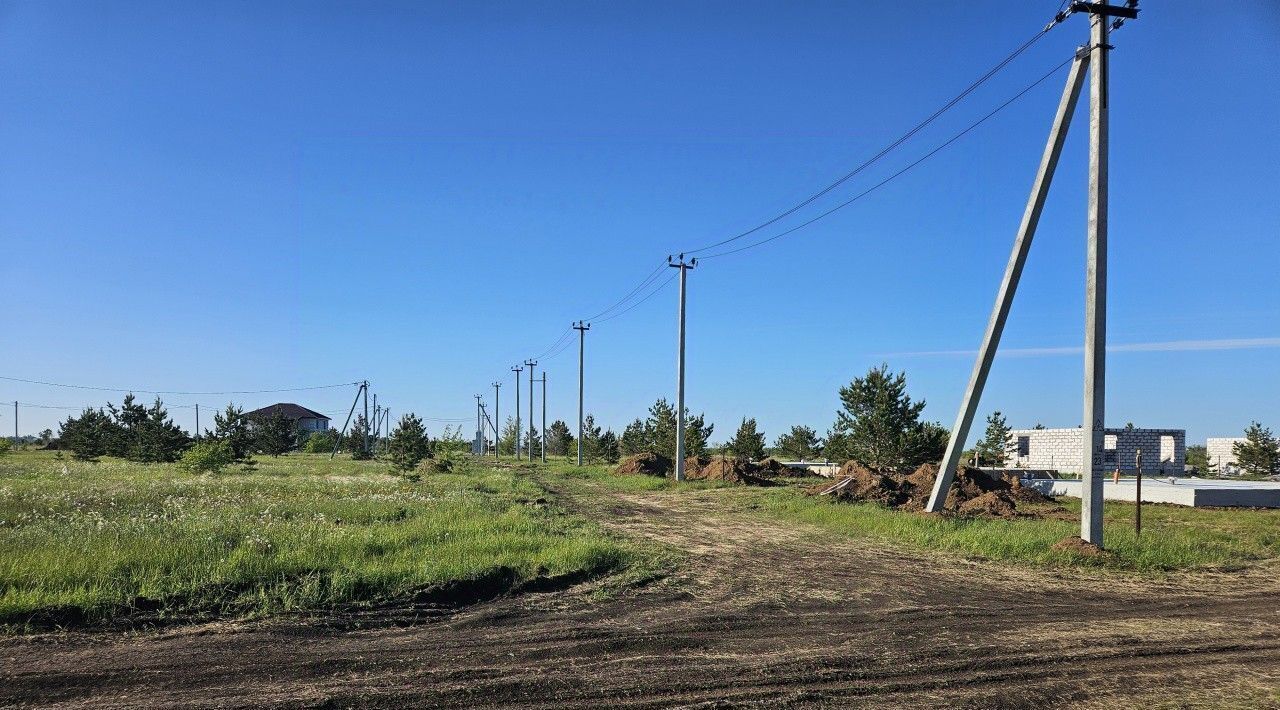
x=1167, y=346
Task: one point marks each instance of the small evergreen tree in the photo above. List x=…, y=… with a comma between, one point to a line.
x=748, y=442
x=592, y=451
x=156, y=438
x=507, y=443
x=409, y=444
x=274, y=434
x=231, y=426
x=1198, y=458
x=634, y=439
x=357, y=435
x=607, y=447
x=559, y=439
x=801, y=443
x=993, y=450
x=87, y=436
x=879, y=425
x=1259, y=453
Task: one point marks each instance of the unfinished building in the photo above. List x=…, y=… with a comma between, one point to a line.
x=1164, y=451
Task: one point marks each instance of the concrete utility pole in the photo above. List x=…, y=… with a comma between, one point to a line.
x=377, y=419
x=366, y=416
x=497, y=435
x=15, y=422
x=197, y=422
x=517, y=369
x=1095, y=288
x=354, y=402
x=478, y=448
x=1094, y=56
x=531, y=364
x=1009, y=285
x=684, y=270
x=543, y=448
x=582, y=330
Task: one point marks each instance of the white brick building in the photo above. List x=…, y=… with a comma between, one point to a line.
x=1221, y=453
x=1163, y=450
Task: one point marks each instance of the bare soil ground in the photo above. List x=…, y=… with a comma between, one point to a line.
x=759, y=614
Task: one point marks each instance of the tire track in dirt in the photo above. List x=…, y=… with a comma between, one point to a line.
x=759, y=614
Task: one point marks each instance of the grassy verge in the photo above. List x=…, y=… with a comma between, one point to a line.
x=1174, y=537
x=88, y=543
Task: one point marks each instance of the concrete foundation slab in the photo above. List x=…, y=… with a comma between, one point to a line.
x=1194, y=492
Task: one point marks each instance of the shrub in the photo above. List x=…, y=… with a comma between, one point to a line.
x=320, y=442
x=5, y=446
x=207, y=457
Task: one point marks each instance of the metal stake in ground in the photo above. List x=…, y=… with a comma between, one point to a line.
x=496, y=434
x=684, y=270
x=531, y=364
x=1009, y=285
x=582, y=330
x=517, y=369
x=1137, y=496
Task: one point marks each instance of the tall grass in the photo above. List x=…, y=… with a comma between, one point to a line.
x=86, y=541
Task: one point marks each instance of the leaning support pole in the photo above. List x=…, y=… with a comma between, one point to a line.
x=1095, y=290
x=1012, y=273
x=343, y=430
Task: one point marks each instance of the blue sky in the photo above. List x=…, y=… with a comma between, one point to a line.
x=244, y=196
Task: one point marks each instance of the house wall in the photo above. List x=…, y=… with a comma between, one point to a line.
x=1060, y=449
x=313, y=424
x=1220, y=450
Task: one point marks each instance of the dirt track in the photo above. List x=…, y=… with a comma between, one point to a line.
x=760, y=614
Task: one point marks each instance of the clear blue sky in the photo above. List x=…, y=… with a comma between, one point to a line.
x=247, y=195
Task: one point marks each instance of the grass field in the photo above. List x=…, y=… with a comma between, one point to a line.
x=1174, y=537
x=82, y=543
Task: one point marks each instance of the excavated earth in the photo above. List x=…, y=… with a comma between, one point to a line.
x=973, y=492
x=757, y=614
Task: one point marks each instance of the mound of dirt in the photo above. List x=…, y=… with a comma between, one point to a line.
x=646, y=464
x=694, y=465
x=773, y=468
x=729, y=470
x=972, y=492
x=1076, y=545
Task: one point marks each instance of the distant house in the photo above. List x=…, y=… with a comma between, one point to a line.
x=1221, y=451
x=305, y=419
x=1163, y=450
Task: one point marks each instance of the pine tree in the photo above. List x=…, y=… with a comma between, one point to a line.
x=408, y=443
x=993, y=450
x=879, y=425
x=128, y=420
x=801, y=443
x=1198, y=458
x=634, y=439
x=532, y=443
x=354, y=440
x=1259, y=453
x=748, y=442
x=156, y=438
x=87, y=435
x=607, y=447
x=507, y=444
x=274, y=434
x=231, y=427
x=592, y=451
x=559, y=439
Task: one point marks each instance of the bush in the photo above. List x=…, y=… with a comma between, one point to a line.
x=207, y=457
x=320, y=442
x=5, y=446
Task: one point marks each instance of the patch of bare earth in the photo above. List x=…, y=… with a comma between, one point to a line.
x=760, y=614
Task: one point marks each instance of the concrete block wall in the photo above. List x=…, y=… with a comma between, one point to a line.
x=1163, y=450
x=1220, y=450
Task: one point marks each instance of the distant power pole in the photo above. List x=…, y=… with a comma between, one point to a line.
x=15, y=422
x=531, y=364
x=366, y=416
x=497, y=436
x=377, y=418
x=543, y=447
x=517, y=369
x=478, y=449
x=684, y=270
x=582, y=331
x=197, y=422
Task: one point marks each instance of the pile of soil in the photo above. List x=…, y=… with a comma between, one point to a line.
x=646, y=464
x=773, y=468
x=1075, y=544
x=727, y=469
x=972, y=493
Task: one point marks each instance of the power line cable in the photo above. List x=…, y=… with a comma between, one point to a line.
x=197, y=394
x=651, y=294
x=897, y=174
x=887, y=149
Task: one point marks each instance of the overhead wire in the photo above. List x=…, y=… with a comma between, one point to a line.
x=179, y=392
x=900, y=172
x=951, y=103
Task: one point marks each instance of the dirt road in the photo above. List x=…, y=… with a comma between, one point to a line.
x=760, y=614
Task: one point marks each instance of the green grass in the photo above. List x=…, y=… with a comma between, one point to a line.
x=87, y=541
x=1173, y=538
